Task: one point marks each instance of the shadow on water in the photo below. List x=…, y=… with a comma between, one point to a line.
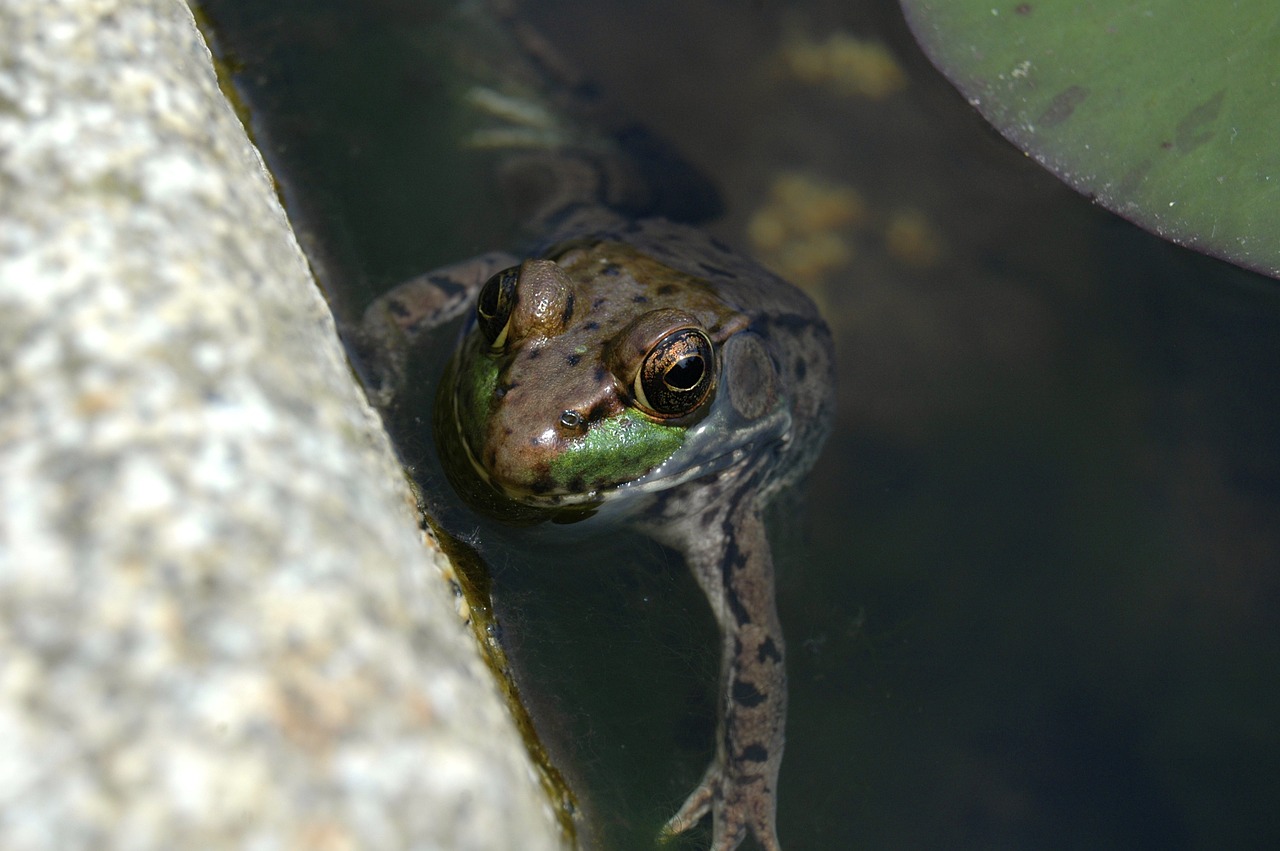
x=1033, y=599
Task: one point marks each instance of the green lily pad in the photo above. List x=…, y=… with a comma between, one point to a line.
x=1165, y=111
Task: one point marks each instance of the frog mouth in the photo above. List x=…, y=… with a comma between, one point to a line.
x=660, y=480
x=756, y=442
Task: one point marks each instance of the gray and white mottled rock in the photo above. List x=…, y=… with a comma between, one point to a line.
x=218, y=624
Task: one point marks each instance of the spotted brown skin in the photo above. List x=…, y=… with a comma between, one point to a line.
x=544, y=410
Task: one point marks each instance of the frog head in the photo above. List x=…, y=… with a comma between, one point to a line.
x=596, y=376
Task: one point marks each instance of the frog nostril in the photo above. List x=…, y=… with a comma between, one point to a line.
x=571, y=420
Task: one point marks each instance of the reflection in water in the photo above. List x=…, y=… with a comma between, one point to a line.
x=1033, y=599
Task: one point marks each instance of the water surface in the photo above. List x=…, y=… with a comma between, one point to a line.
x=1030, y=592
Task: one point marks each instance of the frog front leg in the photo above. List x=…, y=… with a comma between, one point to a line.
x=398, y=319
x=729, y=554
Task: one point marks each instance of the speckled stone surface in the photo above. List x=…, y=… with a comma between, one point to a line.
x=219, y=627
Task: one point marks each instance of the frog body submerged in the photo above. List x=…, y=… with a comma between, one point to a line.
x=541, y=414
x=636, y=370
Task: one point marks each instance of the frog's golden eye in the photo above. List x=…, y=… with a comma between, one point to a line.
x=494, y=305
x=676, y=375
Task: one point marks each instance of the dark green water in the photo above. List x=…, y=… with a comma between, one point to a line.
x=1032, y=592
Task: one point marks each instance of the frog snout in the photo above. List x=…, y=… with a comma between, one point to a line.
x=521, y=462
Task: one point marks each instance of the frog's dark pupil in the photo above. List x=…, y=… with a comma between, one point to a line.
x=494, y=304
x=488, y=302
x=676, y=377
x=685, y=373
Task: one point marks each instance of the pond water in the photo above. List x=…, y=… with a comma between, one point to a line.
x=1032, y=590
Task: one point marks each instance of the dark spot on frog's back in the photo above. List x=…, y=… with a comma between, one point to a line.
x=611, y=270
x=446, y=284
x=666, y=289
x=640, y=299
x=768, y=651
x=568, y=310
x=745, y=694
x=755, y=752
x=740, y=614
x=734, y=557
x=792, y=323
x=801, y=370
x=573, y=360
x=1062, y=106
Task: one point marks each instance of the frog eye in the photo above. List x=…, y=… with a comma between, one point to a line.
x=676, y=375
x=494, y=305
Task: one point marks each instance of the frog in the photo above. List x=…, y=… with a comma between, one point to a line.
x=630, y=370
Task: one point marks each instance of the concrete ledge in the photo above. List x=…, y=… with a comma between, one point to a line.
x=219, y=626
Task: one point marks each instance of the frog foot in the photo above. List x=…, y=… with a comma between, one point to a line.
x=522, y=123
x=736, y=803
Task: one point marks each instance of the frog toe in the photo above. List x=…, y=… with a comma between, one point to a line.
x=697, y=805
x=520, y=122
x=735, y=809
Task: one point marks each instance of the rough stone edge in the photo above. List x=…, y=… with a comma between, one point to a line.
x=218, y=624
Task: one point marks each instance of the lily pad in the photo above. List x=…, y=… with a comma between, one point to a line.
x=1164, y=111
